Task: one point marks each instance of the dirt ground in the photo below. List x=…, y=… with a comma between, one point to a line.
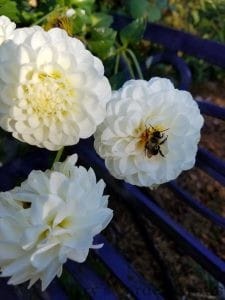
x=188, y=279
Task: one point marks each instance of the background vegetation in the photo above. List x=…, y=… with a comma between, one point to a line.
x=91, y=23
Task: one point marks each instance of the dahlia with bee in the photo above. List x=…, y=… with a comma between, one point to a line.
x=151, y=132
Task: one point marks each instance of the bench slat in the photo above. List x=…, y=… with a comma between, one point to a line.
x=210, y=171
x=210, y=159
x=189, y=244
x=125, y=272
x=210, y=51
x=211, y=109
x=55, y=291
x=7, y=291
x=197, y=206
x=132, y=195
x=92, y=284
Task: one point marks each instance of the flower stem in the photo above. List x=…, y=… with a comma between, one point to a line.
x=42, y=19
x=136, y=63
x=117, y=64
x=58, y=155
x=128, y=64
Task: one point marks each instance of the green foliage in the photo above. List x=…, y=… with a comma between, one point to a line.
x=10, y=9
x=102, y=41
x=100, y=19
x=133, y=32
x=92, y=20
x=137, y=9
x=83, y=4
x=80, y=21
x=154, y=13
x=151, y=10
x=205, y=18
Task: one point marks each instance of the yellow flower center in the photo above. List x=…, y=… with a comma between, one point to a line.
x=48, y=95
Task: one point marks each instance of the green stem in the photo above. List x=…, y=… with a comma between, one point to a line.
x=117, y=64
x=136, y=63
x=42, y=19
x=128, y=64
x=58, y=155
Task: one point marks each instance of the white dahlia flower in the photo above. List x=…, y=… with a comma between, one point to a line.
x=150, y=133
x=6, y=28
x=52, y=90
x=53, y=216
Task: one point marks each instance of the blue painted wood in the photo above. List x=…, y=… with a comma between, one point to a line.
x=140, y=288
x=196, y=205
x=93, y=285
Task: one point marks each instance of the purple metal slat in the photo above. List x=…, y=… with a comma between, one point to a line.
x=188, y=242
x=176, y=40
x=210, y=159
x=56, y=292
x=211, y=109
x=7, y=291
x=21, y=167
x=190, y=245
x=93, y=285
x=211, y=164
x=197, y=206
x=210, y=171
x=139, y=287
x=178, y=63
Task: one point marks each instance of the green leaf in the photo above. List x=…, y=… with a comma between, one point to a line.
x=154, y=13
x=133, y=32
x=137, y=8
x=103, y=33
x=85, y=4
x=103, y=49
x=80, y=20
x=162, y=4
x=102, y=41
x=9, y=9
x=101, y=20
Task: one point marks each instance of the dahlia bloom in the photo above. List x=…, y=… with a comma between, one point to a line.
x=53, y=216
x=150, y=133
x=53, y=90
x=6, y=28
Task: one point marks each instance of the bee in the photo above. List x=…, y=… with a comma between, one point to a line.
x=155, y=139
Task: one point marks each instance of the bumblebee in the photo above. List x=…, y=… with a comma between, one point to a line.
x=155, y=139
